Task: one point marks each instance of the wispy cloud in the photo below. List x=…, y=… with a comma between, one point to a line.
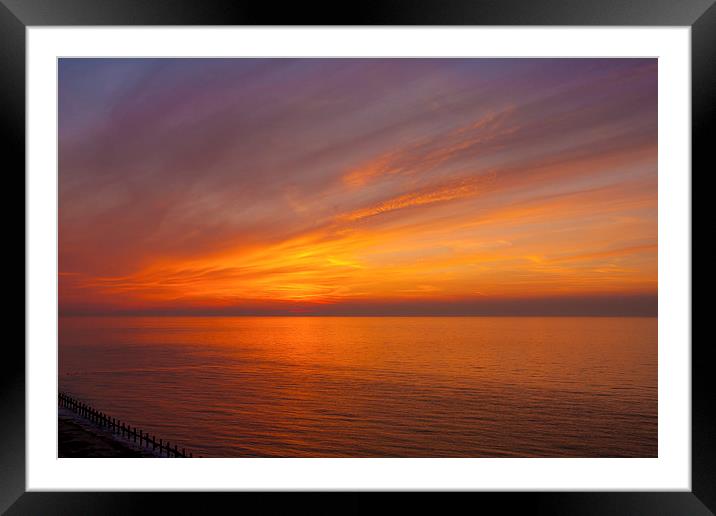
x=449, y=191
x=429, y=153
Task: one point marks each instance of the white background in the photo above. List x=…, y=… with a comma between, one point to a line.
x=671, y=470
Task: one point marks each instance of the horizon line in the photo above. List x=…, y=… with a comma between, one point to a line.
x=151, y=314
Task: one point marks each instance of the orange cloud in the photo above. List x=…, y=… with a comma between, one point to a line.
x=451, y=191
x=427, y=154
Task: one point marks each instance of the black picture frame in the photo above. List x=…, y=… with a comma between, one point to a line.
x=17, y=15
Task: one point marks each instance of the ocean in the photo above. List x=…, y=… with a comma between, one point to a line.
x=373, y=386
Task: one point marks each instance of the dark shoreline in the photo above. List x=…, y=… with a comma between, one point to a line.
x=79, y=438
x=86, y=432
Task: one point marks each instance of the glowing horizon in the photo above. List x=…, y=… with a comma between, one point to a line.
x=358, y=186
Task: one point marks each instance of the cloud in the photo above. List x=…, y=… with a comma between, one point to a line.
x=215, y=184
x=429, y=153
x=453, y=190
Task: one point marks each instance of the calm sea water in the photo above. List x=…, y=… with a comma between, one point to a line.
x=373, y=387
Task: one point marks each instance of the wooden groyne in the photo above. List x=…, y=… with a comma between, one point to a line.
x=120, y=428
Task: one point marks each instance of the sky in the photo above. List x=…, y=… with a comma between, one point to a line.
x=358, y=186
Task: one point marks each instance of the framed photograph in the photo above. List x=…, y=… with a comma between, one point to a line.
x=423, y=247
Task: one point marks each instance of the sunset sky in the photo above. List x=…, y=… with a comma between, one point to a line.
x=358, y=186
